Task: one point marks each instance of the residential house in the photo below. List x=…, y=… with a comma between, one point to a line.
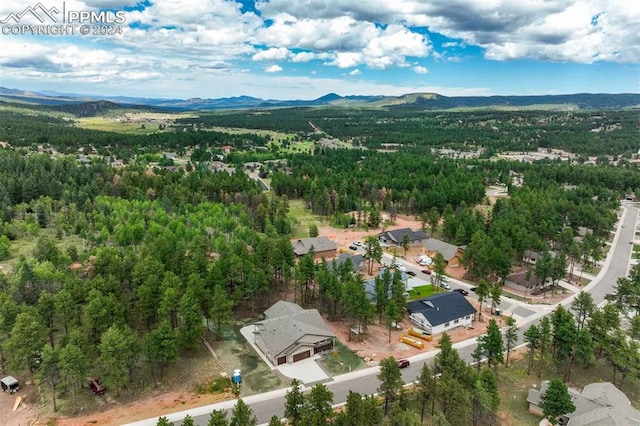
x=252, y=165
x=219, y=166
x=441, y=312
x=396, y=237
x=370, y=284
x=532, y=256
x=357, y=261
x=290, y=333
x=452, y=254
x=323, y=247
x=600, y=404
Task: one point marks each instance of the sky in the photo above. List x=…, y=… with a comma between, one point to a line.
x=304, y=49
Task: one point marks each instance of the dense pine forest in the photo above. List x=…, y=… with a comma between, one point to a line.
x=116, y=268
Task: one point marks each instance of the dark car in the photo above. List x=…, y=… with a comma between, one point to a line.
x=461, y=291
x=474, y=289
x=413, y=274
x=352, y=247
x=403, y=363
x=426, y=271
x=96, y=387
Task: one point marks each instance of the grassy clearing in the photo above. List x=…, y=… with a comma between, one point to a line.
x=111, y=125
x=304, y=218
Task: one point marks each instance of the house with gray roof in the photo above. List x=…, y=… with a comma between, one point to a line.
x=322, y=247
x=441, y=312
x=396, y=237
x=357, y=261
x=290, y=333
x=370, y=284
x=452, y=254
x=599, y=404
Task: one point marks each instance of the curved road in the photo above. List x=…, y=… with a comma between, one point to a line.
x=365, y=381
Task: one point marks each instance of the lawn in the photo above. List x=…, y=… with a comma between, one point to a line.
x=422, y=291
x=341, y=361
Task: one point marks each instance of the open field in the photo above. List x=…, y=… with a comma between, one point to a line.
x=107, y=124
x=304, y=218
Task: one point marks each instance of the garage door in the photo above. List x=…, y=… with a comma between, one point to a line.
x=303, y=355
x=282, y=360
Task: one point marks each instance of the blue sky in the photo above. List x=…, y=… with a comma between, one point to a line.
x=303, y=49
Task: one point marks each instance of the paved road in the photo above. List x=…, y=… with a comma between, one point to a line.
x=365, y=381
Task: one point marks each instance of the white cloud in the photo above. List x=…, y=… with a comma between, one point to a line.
x=272, y=54
x=581, y=31
x=420, y=70
x=355, y=72
x=273, y=68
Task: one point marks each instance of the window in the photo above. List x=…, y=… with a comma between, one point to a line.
x=446, y=324
x=456, y=321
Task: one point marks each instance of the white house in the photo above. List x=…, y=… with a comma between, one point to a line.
x=441, y=312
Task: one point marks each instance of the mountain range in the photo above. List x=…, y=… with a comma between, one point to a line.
x=428, y=101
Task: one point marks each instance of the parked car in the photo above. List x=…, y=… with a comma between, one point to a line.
x=403, y=363
x=413, y=274
x=357, y=243
x=96, y=387
x=445, y=286
x=426, y=271
x=352, y=247
x=474, y=289
x=462, y=291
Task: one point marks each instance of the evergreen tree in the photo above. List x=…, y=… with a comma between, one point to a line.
x=218, y=418
x=390, y=381
x=242, y=415
x=294, y=407
x=556, y=401
x=510, y=337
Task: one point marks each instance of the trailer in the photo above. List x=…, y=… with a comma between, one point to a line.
x=405, y=338
x=9, y=384
x=420, y=334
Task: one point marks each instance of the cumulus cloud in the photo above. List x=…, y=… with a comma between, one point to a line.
x=420, y=70
x=355, y=72
x=564, y=30
x=273, y=68
x=273, y=54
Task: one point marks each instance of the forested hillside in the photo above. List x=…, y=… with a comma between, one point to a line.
x=138, y=256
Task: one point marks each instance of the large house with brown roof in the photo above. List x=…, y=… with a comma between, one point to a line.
x=322, y=247
x=290, y=333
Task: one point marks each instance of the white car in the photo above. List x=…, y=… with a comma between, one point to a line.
x=445, y=286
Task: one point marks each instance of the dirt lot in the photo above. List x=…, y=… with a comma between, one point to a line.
x=376, y=346
x=26, y=413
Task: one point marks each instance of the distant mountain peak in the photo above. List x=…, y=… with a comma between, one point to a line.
x=329, y=97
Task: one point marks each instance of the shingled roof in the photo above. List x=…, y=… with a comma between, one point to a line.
x=599, y=404
x=303, y=245
x=445, y=249
x=397, y=235
x=282, y=332
x=442, y=308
